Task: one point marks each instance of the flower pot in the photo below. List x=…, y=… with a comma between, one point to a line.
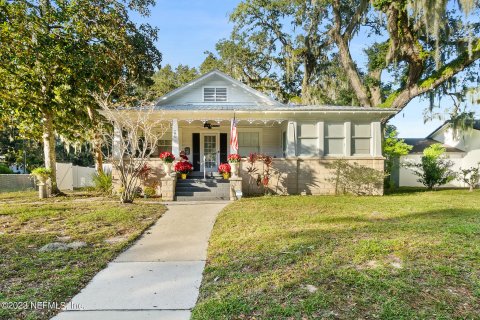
x=234, y=167
x=183, y=176
x=225, y=175
x=167, y=167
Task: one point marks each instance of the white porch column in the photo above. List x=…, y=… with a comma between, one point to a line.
x=117, y=140
x=291, y=139
x=377, y=139
x=175, y=140
x=348, y=138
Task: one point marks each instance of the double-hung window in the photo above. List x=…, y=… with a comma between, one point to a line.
x=214, y=94
x=334, y=139
x=248, y=142
x=164, y=145
x=307, y=139
x=361, y=138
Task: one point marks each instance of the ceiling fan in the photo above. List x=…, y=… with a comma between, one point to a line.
x=210, y=126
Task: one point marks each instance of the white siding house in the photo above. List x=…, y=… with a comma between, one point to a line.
x=463, y=151
x=301, y=139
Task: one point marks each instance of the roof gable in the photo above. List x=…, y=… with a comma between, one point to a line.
x=237, y=92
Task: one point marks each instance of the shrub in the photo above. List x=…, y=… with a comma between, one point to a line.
x=354, y=178
x=393, y=149
x=149, y=192
x=5, y=170
x=102, y=182
x=470, y=176
x=434, y=167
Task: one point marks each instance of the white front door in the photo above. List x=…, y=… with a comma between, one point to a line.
x=210, y=152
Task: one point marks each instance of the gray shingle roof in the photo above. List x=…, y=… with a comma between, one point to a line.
x=420, y=144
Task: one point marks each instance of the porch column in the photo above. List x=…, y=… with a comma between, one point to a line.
x=175, y=142
x=291, y=139
x=117, y=140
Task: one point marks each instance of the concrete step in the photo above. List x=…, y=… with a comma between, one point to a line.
x=201, y=198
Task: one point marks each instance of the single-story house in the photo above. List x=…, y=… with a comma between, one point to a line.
x=463, y=149
x=301, y=139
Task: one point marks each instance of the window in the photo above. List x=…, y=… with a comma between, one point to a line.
x=164, y=145
x=361, y=134
x=307, y=141
x=214, y=94
x=334, y=138
x=248, y=142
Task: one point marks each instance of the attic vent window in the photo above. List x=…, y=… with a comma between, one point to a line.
x=214, y=94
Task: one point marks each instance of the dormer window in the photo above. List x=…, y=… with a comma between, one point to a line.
x=214, y=94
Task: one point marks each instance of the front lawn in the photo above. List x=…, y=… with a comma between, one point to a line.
x=27, y=224
x=411, y=255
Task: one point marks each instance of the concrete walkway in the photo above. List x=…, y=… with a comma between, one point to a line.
x=159, y=276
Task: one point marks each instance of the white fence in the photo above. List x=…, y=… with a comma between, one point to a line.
x=70, y=176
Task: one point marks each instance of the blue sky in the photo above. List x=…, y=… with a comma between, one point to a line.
x=188, y=28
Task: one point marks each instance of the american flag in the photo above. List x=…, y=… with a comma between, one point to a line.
x=233, y=137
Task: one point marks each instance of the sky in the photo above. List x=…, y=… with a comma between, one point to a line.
x=188, y=28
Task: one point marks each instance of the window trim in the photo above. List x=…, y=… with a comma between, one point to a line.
x=227, y=93
x=249, y=130
x=326, y=139
x=354, y=137
x=315, y=137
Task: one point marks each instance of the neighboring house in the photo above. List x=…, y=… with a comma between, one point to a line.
x=463, y=151
x=301, y=139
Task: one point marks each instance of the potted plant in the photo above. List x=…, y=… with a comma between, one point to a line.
x=234, y=160
x=184, y=168
x=225, y=169
x=42, y=175
x=167, y=158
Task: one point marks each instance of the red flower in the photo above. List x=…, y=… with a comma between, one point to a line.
x=224, y=168
x=234, y=158
x=183, y=167
x=167, y=157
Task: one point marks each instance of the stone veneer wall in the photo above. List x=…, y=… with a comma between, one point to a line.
x=302, y=176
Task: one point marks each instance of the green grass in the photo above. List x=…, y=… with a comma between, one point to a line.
x=27, y=223
x=410, y=255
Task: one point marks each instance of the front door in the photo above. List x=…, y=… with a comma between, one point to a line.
x=210, y=146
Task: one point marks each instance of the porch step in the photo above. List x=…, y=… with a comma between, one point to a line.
x=199, y=175
x=202, y=189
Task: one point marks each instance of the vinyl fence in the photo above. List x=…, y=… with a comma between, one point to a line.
x=70, y=176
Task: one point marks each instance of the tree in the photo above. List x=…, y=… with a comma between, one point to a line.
x=393, y=149
x=422, y=47
x=166, y=79
x=133, y=141
x=55, y=53
x=471, y=177
x=434, y=168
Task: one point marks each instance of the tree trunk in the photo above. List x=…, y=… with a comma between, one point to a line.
x=49, y=151
x=375, y=91
x=352, y=72
x=97, y=151
x=97, y=142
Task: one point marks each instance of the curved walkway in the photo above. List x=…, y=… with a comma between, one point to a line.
x=159, y=276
